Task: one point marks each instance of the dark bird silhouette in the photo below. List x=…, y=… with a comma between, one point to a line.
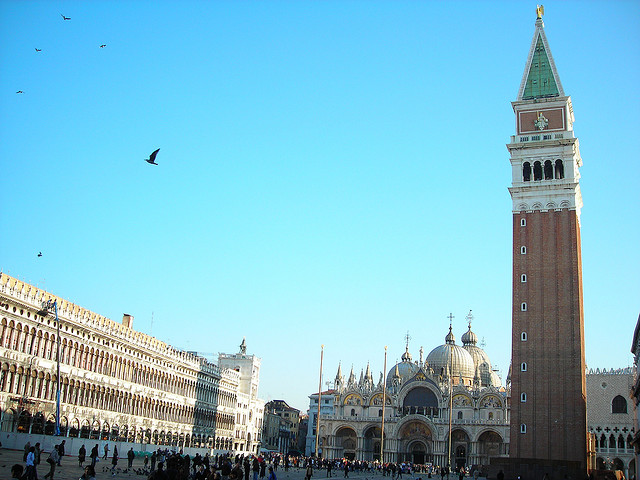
x=38, y=49
x=19, y=91
x=39, y=254
x=103, y=45
x=152, y=158
x=65, y=18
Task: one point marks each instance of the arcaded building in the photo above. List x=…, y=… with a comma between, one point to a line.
x=610, y=418
x=454, y=382
x=116, y=384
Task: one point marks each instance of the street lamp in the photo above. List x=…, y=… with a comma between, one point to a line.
x=46, y=309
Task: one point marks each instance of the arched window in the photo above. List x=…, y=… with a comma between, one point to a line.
x=459, y=415
x=523, y=397
x=523, y=367
x=620, y=442
x=619, y=405
x=523, y=307
x=548, y=170
x=523, y=250
x=523, y=336
x=380, y=412
x=490, y=415
x=526, y=172
x=612, y=441
x=537, y=171
x=523, y=428
x=523, y=222
x=559, y=169
x=523, y=278
x=353, y=412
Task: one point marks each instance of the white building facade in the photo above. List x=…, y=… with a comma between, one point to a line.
x=116, y=384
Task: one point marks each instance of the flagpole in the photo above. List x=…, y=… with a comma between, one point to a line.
x=384, y=403
x=319, y=400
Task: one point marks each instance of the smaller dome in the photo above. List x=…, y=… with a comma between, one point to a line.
x=469, y=338
x=450, y=339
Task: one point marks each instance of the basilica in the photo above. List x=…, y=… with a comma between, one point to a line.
x=451, y=404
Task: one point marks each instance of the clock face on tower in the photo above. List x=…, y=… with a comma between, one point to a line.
x=541, y=122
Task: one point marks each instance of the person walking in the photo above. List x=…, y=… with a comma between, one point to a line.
x=106, y=451
x=114, y=460
x=30, y=465
x=61, y=451
x=154, y=458
x=309, y=472
x=82, y=454
x=52, y=461
x=94, y=456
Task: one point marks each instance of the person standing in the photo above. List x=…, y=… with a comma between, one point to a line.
x=154, y=457
x=309, y=473
x=130, y=456
x=36, y=461
x=106, y=451
x=82, y=454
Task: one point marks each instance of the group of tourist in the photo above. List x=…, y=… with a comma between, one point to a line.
x=163, y=464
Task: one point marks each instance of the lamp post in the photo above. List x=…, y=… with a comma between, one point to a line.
x=46, y=309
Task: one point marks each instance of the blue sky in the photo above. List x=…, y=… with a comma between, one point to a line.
x=329, y=172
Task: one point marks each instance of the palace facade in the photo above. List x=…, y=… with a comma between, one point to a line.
x=117, y=384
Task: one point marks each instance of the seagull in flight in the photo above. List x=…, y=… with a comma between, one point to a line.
x=38, y=49
x=103, y=45
x=152, y=158
x=65, y=18
x=19, y=91
x=39, y=254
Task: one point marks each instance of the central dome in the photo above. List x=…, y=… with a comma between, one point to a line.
x=452, y=358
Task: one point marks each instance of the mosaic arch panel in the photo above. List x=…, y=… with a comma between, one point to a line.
x=353, y=399
x=376, y=400
x=491, y=401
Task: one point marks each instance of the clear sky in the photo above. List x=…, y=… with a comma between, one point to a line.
x=329, y=172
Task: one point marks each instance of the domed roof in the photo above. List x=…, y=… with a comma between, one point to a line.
x=453, y=358
x=479, y=355
x=405, y=369
x=469, y=338
x=488, y=378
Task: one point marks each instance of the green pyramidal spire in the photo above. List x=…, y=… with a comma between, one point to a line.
x=540, y=78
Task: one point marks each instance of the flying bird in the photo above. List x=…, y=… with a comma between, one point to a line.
x=19, y=91
x=39, y=254
x=65, y=18
x=38, y=49
x=103, y=45
x=152, y=158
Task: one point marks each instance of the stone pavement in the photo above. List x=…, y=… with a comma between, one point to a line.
x=71, y=471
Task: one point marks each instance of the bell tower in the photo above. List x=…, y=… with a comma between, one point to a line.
x=548, y=394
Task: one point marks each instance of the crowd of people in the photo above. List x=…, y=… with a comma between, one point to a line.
x=164, y=464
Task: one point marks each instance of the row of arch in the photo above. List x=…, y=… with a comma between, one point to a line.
x=39, y=343
x=543, y=171
x=25, y=422
x=39, y=385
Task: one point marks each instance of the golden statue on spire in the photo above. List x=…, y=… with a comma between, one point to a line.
x=540, y=11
